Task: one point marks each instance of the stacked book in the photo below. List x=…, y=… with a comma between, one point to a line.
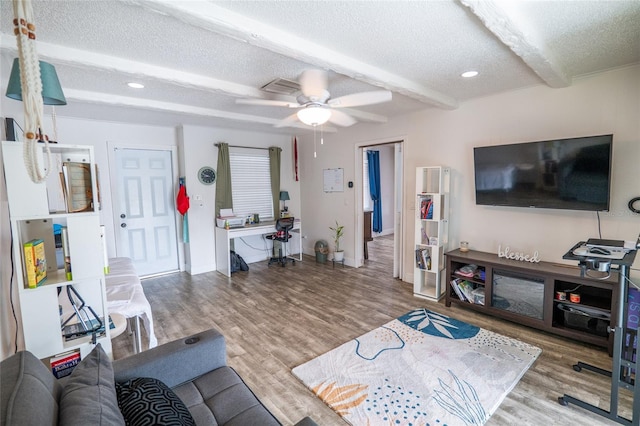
x=426, y=208
x=467, y=271
x=423, y=259
x=471, y=271
x=62, y=365
x=35, y=263
x=463, y=289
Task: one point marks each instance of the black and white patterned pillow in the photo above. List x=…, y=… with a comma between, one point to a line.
x=148, y=401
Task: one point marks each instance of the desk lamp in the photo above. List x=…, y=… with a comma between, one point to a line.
x=284, y=196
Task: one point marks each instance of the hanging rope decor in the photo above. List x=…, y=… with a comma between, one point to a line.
x=31, y=83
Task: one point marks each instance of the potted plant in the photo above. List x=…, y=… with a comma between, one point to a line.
x=338, y=232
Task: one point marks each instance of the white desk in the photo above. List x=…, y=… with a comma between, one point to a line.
x=224, y=237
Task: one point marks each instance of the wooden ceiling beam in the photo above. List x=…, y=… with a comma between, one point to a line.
x=513, y=30
x=222, y=21
x=107, y=63
x=90, y=97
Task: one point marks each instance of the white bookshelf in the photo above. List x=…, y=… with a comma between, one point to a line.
x=33, y=213
x=431, y=231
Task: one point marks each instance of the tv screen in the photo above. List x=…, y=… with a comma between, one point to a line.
x=572, y=174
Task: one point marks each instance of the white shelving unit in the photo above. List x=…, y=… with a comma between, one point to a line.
x=30, y=217
x=431, y=231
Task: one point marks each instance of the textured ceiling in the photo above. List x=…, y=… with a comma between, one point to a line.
x=197, y=57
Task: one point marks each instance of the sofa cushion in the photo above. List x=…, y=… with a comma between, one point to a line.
x=220, y=397
x=29, y=393
x=89, y=395
x=148, y=401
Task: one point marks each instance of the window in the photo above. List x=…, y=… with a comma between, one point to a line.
x=251, y=182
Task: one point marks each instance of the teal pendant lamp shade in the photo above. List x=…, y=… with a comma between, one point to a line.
x=51, y=90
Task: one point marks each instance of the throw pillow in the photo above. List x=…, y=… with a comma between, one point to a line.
x=148, y=401
x=89, y=395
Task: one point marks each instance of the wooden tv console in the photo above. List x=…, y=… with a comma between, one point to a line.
x=525, y=293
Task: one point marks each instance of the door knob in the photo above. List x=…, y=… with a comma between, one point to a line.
x=122, y=216
x=123, y=225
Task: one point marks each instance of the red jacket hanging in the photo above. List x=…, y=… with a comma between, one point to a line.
x=182, y=201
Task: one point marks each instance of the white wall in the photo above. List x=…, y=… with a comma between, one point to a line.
x=321, y=208
x=197, y=149
x=598, y=104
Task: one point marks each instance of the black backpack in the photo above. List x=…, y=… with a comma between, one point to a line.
x=237, y=262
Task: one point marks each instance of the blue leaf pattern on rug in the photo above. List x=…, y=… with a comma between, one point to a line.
x=438, y=325
x=374, y=348
x=463, y=402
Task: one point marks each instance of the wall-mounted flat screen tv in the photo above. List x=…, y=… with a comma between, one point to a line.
x=572, y=174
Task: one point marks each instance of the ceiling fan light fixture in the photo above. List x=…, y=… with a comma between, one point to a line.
x=469, y=74
x=314, y=115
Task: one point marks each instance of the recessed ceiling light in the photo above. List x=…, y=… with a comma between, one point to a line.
x=469, y=74
x=136, y=85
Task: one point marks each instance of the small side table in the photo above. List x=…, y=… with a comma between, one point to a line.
x=120, y=323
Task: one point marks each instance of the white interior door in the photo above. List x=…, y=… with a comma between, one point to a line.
x=144, y=209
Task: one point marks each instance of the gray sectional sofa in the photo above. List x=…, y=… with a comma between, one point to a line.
x=194, y=369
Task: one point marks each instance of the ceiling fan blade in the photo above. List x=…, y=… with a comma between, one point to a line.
x=313, y=83
x=364, y=116
x=267, y=102
x=287, y=122
x=359, y=99
x=341, y=119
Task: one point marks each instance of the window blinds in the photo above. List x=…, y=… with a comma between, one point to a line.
x=251, y=182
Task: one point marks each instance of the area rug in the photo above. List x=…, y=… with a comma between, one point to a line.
x=422, y=368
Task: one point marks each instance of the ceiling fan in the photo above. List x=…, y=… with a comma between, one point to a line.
x=316, y=106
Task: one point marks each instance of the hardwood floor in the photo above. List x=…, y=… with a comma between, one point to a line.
x=276, y=318
x=381, y=252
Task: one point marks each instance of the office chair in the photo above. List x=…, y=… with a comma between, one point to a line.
x=283, y=226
